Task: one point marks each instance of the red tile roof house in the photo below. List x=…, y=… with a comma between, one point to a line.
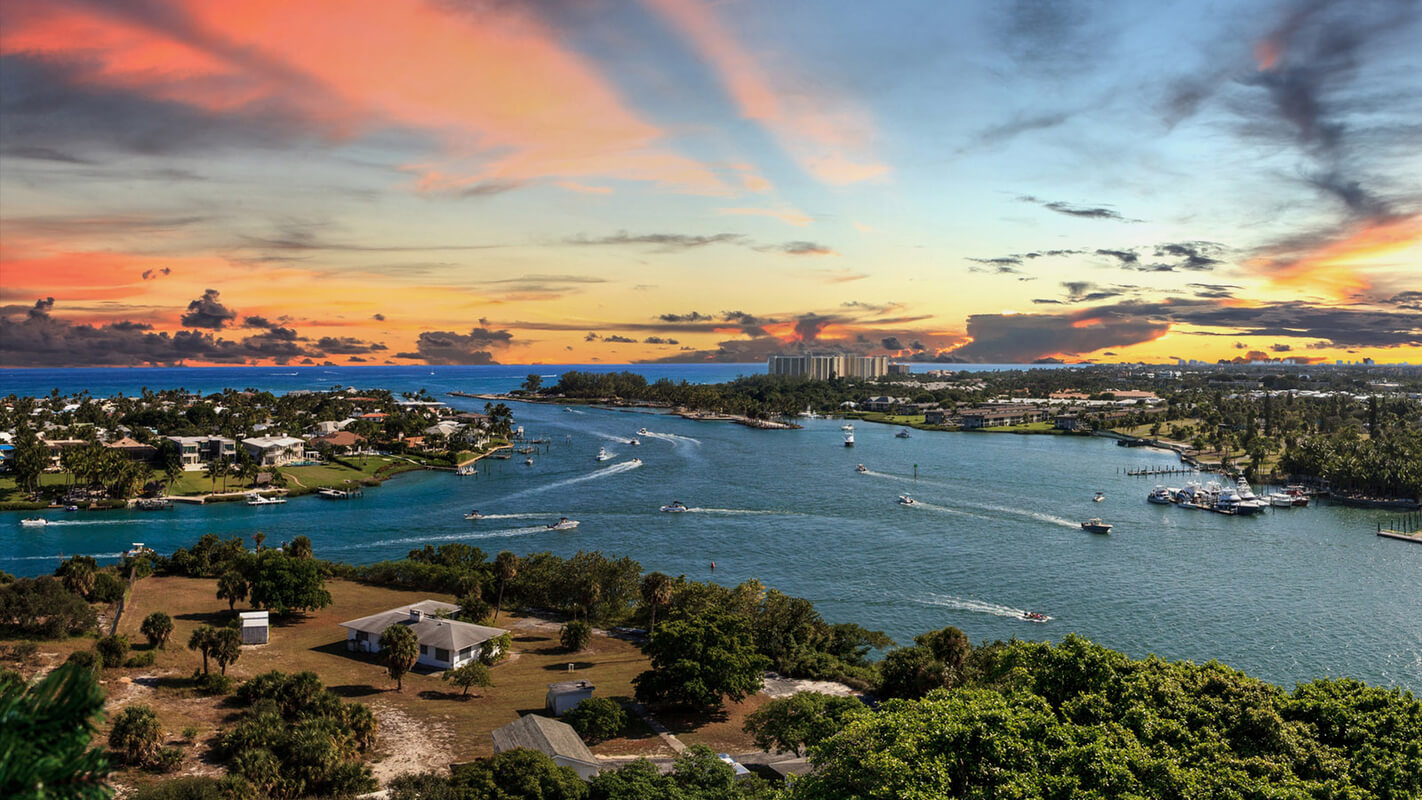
x=339, y=441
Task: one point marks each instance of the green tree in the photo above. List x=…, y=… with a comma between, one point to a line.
x=657, y=589
x=203, y=640
x=575, y=636
x=226, y=647
x=286, y=584
x=299, y=548
x=518, y=774
x=469, y=675
x=30, y=459
x=45, y=740
x=78, y=575
x=157, y=627
x=136, y=736
x=800, y=721
x=506, y=565
x=700, y=661
x=597, y=719
x=232, y=587
x=399, y=647
x=473, y=608
x=112, y=650
x=532, y=383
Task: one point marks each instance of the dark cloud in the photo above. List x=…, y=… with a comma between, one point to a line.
x=1241, y=346
x=208, y=312
x=1410, y=300
x=1197, y=256
x=1281, y=348
x=43, y=154
x=256, y=322
x=347, y=345
x=488, y=188
x=694, y=316
x=1085, y=292
x=891, y=343
x=1086, y=212
x=1127, y=258
x=799, y=248
x=378, y=317
x=659, y=340
x=591, y=337
x=1046, y=301
x=1024, y=338
x=1008, y=261
x=448, y=347
x=619, y=339
x=1216, y=291
x=151, y=274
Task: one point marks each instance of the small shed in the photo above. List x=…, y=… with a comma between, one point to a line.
x=565, y=696
x=254, y=627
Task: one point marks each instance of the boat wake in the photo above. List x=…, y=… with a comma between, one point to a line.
x=1019, y=512
x=60, y=558
x=975, y=606
x=748, y=511
x=68, y=523
x=605, y=472
x=945, y=509
x=673, y=438
x=450, y=537
x=516, y=516
x=905, y=479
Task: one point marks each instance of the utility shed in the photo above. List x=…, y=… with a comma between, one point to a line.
x=565, y=696
x=556, y=739
x=254, y=627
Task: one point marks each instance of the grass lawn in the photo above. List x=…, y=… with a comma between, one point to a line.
x=11, y=494
x=1025, y=427
x=332, y=474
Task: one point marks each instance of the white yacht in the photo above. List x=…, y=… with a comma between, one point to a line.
x=1162, y=495
x=466, y=470
x=1280, y=500
x=634, y=441
x=563, y=524
x=849, y=439
x=1099, y=497
x=602, y=454
x=254, y=499
x=674, y=507
x=847, y=427
x=1249, y=503
x=34, y=522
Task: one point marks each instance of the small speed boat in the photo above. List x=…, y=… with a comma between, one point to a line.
x=849, y=439
x=1099, y=497
x=905, y=500
x=466, y=471
x=641, y=431
x=1280, y=500
x=602, y=454
x=1162, y=495
x=902, y=434
x=71, y=508
x=634, y=441
x=846, y=427
x=563, y=524
x=528, y=461
x=1095, y=525
x=1034, y=616
x=34, y=522
x=255, y=499
x=861, y=468
x=674, y=507
x=473, y=515
x=636, y=462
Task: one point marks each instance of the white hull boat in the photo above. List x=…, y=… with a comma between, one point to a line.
x=674, y=507
x=563, y=525
x=905, y=500
x=259, y=500
x=602, y=454
x=34, y=522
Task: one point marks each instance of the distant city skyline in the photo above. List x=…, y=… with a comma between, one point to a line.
x=442, y=182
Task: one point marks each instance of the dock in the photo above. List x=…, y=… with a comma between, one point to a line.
x=1170, y=470
x=339, y=494
x=1405, y=529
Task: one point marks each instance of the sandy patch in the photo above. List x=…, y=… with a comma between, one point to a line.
x=397, y=734
x=778, y=686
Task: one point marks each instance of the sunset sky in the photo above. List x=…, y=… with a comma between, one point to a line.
x=569, y=181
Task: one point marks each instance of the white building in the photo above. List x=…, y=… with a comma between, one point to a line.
x=827, y=366
x=275, y=451
x=444, y=643
x=254, y=627
x=565, y=696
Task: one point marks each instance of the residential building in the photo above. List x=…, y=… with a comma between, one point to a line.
x=1069, y=422
x=997, y=415
x=340, y=442
x=935, y=416
x=199, y=450
x=564, y=696
x=556, y=739
x=132, y=449
x=823, y=367
x=444, y=643
x=900, y=369
x=275, y=451
x=883, y=403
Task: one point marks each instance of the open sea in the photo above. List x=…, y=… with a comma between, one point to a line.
x=1288, y=595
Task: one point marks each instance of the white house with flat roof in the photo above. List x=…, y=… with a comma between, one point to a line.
x=275, y=451
x=444, y=643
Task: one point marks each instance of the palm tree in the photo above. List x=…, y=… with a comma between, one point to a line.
x=657, y=590
x=507, y=565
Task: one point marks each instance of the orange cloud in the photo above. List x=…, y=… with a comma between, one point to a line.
x=824, y=136
x=504, y=98
x=1334, y=266
x=787, y=215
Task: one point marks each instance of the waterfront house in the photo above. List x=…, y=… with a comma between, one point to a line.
x=132, y=449
x=341, y=442
x=555, y=739
x=564, y=696
x=883, y=403
x=444, y=643
x=275, y=451
x=1069, y=422
x=998, y=415
x=199, y=450
x=935, y=416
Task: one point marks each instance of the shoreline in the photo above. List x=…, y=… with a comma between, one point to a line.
x=611, y=404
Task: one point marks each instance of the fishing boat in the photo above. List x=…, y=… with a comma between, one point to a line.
x=849, y=439
x=846, y=427
x=674, y=507
x=1280, y=500
x=1034, y=616
x=254, y=499
x=1095, y=525
x=905, y=500
x=1249, y=503
x=563, y=524
x=641, y=431
x=902, y=434
x=34, y=522
x=1099, y=497
x=1162, y=495
x=861, y=468
x=634, y=441
x=602, y=454
x=473, y=515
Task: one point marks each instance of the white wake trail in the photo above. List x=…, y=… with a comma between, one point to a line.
x=976, y=606
x=605, y=472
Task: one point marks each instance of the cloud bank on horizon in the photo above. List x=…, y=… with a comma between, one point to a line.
x=444, y=182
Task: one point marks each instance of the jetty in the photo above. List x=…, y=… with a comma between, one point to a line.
x=339, y=494
x=1405, y=529
x=1170, y=470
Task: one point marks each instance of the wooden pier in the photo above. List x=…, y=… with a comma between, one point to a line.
x=1172, y=470
x=1407, y=528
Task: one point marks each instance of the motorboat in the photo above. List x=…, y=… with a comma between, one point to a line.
x=1099, y=497
x=473, y=515
x=602, y=454
x=567, y=410
x=1095, y=525
x=34, y=522
x=1249, y=503
x=846, y=427
x=71, y=508
x=563, y=524
x=634, y=441
x=528, y=461
x=466, y=470
x=902, y=434
x=137, y=549
x=849, y=439
x=1162, y=495
x=905, y=500
x=1280, y=500
x=1034, y=616
x=674, y=507
x=635, y=462
x=861, y=468
x=1191, y=494
x=642, y=432
x=255, y=499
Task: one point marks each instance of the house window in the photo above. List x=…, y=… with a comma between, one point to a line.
x=362, y=636
x=441, y=654
x=466, y=652
x=424, y=650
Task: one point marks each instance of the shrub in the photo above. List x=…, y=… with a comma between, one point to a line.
x=575, y=636
x=157, y=627
x=468, y=675
x=496, y=649
x=190, y=733
x=112, y=649
x=597, y=719
x=136, y=736
x=190, y=788
x=144, y=659
x=168, y=760
x=213, y=683
x=108, y=588
x=24, y=652
x=87, y=659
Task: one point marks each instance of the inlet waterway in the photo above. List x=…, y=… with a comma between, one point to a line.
x=1288, y=595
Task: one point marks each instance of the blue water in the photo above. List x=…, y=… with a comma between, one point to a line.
x=1289, y=595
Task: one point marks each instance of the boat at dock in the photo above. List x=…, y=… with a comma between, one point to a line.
x=1162, y=495
x=466, y=470
x=254, y=499
x=331, y=493
x=563, y=524
x=1095, y=525
x=674, y=507
x=1280, y=500
x=152, y=504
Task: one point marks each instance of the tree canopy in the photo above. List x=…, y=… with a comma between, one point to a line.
x=700, y=661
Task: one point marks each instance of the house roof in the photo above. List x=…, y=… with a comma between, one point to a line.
x=537, y=732
x=339, y=439
x=447, y=634
x=272, y=441
x=129, y=444
x=570, y=687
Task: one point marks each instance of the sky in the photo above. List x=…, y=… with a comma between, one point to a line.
x=574, y=181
